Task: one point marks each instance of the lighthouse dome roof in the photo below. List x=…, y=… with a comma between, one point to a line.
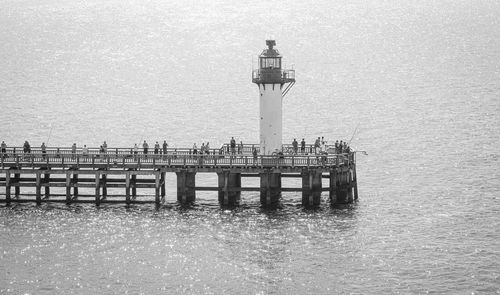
x=270, y=51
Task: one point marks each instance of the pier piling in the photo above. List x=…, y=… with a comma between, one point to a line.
x=311, y=188
x=229, y=188
x=185, y=186
x=270, y=188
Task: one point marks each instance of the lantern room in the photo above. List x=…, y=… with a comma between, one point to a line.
x=270, y=67
x=270, y=57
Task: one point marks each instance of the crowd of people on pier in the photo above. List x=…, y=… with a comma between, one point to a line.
x=320, y=146
x=233, y=148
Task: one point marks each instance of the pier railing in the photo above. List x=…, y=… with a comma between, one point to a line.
x=127, y=158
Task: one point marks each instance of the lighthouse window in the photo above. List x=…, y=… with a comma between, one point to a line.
x=266, y=63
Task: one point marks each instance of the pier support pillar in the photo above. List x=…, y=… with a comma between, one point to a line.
x=186, y=187
x=75, y=184
x=104, y=178
x=38, y=187
x=7, y=187
x=311, y=188
x=17, y=189
x=157, y=188
x=162, y=183
x=340, y=186
x=133, y=184
x=227, y=184
x=68, y=186
x=355, y=182
x=127, y=187
x=46, y=183
x=97, y=189
x=270, y=189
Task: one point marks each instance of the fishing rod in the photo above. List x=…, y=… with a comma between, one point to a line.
x=354, y=133
x=142, y=135
x=50, y=133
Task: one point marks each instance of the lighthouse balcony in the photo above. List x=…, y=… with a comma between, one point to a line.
x=273, y=76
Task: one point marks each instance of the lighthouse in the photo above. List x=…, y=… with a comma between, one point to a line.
x=274, y=82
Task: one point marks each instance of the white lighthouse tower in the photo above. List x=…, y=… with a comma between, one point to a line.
x=274, y=83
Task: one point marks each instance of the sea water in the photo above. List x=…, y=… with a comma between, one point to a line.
x=419, y=79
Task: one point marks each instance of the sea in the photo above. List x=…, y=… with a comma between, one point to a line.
x=414, y=84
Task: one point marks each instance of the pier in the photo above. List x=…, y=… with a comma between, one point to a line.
x=131, y=169
x=60, y=167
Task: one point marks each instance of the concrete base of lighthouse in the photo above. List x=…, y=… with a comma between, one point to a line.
x=229, y=185
x=270, y=189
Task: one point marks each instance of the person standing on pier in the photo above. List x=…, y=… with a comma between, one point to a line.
x=157, y=148
x=73, y=150
x=145, y=148
x=207, y=148
x=165, y=146
x=105, y=147
x=233, y=146
x=240, y=147
x=316, y=145
x=4, y=149
x=303, y=146
x=195, y=149
x=44, y=150
x=337, y=146
x=254, y=153
x=85, y=152
x=295, y=146
x=136, y=151
x=25, y=147
x=101, y=152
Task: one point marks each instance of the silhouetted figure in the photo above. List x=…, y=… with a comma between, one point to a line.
x=44, y=150
x=165, y=146
x=233, y=145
